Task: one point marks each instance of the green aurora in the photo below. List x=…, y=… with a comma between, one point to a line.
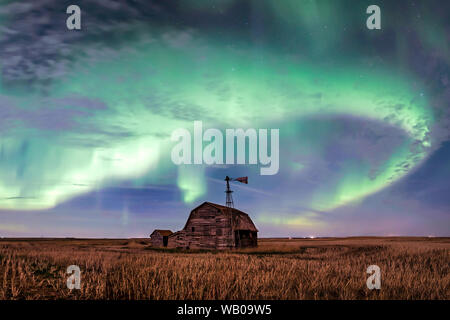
x=209, y=80
x=160, y=77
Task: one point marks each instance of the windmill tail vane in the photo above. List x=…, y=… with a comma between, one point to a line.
x=242, y=180
x=229, y=198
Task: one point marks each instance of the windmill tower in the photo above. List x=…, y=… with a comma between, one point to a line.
x=236, y=238
x=229, y=197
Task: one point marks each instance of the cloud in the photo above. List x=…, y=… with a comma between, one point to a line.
x=54, y=114
x=35, y=45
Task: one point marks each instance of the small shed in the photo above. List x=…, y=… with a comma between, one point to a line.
x=160, y=238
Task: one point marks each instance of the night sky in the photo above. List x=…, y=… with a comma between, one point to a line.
x=86, y=115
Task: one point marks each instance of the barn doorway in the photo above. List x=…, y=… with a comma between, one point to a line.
x=241, y=238
x=165, y=240
x=237, y=239
x=245, y=238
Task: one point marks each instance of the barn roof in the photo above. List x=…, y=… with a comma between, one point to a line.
x=164, y=233
x=241, y=220
x=176, y=233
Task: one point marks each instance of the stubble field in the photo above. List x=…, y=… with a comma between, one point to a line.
x=330, y=268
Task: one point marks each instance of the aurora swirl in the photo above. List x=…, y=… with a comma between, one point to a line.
x=107, y=119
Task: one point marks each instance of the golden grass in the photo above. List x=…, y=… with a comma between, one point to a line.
x=411, y=268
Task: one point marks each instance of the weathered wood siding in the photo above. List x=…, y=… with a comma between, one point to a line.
x=177, y=240
x=208, y=228
x=156, y=240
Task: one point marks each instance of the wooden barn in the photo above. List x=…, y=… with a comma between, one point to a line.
x=160, y=238
x=213, y=226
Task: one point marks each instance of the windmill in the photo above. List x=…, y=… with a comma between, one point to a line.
x=229, y=197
